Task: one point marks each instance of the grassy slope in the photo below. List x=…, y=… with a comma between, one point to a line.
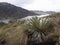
x=14, y=34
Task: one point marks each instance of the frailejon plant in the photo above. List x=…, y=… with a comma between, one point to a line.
x=45, y=28
x=43, y=25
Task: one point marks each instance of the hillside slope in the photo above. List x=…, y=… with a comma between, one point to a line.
x=10, y=11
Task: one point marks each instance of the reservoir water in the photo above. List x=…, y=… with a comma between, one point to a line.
x=28, y=17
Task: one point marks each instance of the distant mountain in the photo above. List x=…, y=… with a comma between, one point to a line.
x=50, y=12
x=43, y=12
x=38, y=12
x=10, y=11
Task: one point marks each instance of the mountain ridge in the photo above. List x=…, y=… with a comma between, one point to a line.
x=8, y=10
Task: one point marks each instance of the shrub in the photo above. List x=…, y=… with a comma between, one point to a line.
x=2, y=24
x=43, y=25
x=41, y=29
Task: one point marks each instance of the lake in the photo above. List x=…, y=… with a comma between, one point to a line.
x=28, y=17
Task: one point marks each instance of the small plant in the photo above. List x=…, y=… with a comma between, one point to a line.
x=13, y=20
x=2, y=24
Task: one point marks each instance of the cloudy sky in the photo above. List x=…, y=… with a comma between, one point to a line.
x=44, y=5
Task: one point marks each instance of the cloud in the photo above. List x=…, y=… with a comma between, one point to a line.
x=53, y=5
x=44, y=5
x=17, y=2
